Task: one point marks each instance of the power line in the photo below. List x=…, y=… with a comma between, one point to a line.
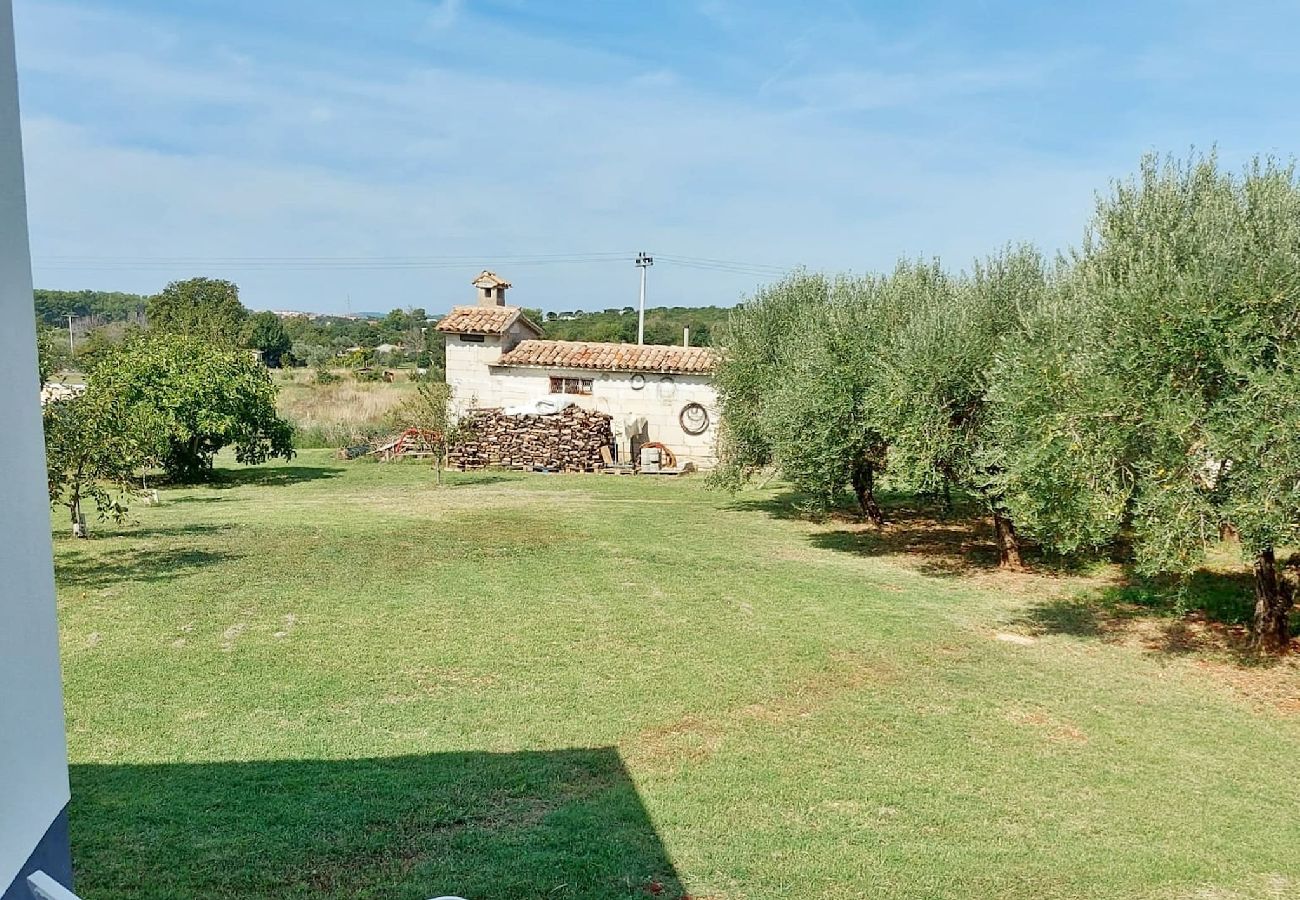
x=387, y=263
x=705, y=260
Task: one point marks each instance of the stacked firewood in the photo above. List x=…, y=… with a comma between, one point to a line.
x=569, y=441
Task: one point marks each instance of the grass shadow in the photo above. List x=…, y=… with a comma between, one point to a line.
x=75, y=568
x=475, y=479
x=1210, y=611
x=565, y=823
x=268, y=476
x=939, y=544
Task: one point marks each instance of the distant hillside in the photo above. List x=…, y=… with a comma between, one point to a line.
x=663, y=324
x=53, y=307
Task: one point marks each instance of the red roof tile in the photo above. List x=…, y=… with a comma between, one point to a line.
x=482, y=320
x=612, y=357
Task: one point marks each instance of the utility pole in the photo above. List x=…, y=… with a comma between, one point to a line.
x=71, y=348
x=643, y=262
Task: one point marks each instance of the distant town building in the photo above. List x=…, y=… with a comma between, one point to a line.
x=497, y=357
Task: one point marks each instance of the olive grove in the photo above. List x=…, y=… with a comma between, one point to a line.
x=1143, y=391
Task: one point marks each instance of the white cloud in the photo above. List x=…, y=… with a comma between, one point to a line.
x=192, y=150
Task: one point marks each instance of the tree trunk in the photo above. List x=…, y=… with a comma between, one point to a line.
x=947, y=496
x=864, y=488
x=74, y=504
x=1274, y=597
x=78, y=521
x=1004, y=531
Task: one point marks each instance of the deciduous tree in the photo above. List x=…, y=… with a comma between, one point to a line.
x=94, y=446
x=204, y=308
x=266, y=334
x=200, y=399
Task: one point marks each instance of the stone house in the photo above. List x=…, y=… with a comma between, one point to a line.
x=497, y=357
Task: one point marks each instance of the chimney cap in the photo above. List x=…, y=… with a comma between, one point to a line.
x=488, y=279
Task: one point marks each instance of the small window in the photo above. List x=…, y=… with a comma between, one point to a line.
x=472, y=338
x=561, y=385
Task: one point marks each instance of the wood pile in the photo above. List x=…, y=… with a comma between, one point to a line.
x=569, y=441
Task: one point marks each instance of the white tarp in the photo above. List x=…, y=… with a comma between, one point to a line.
x=548, y=405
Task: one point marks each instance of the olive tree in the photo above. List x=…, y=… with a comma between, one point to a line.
x=1061, y=477
x=797, y=386
x=819, y=417
x=937, y=371
x=754, y=362
x=1166, y=413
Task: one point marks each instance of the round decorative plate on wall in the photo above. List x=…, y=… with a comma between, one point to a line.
x=694, y=419
x=638, y=381
x=667, y=388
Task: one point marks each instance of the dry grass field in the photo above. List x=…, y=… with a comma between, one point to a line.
x=339, y=413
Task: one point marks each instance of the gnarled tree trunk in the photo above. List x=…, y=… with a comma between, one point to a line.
x=864, y=488
x=1004, y=531
x=1274, y=597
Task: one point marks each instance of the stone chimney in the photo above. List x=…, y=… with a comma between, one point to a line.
x=491, y=289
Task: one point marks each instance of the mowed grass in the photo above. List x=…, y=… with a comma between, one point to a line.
x=335, y=680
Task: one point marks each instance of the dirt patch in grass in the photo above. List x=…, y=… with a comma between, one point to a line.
x=694, y=739
x=1051, y=728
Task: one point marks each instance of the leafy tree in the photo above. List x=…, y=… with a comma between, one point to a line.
x=936, y=374
x=753, y=365
x=266, y=334
x=94, y=445
x=1061, y=475
x=204, y=308
x=52, y=352
x=199, y=398
x=429, y=410
x=663, y=325
x=53, y=307
x=798, y=386
x=311, y=354
x=822, y=419
x=1171, y=413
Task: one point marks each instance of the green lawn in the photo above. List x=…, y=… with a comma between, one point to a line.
x=334, y=680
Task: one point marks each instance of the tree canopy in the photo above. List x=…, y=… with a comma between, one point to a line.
x=1176, y=390
x=95, y=443
x=200, y=399
x=204, y=308
x=1143, y=392
x=266, y=334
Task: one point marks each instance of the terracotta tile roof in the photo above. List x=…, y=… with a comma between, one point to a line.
x=482, y=320
x=612, y=357
x=489, y=279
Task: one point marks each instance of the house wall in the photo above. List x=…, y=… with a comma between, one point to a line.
x=472, y=384
x=659, y=401
x=468, y=373
x=33, y=752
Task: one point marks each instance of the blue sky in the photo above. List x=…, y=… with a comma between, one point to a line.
x=379, y=154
